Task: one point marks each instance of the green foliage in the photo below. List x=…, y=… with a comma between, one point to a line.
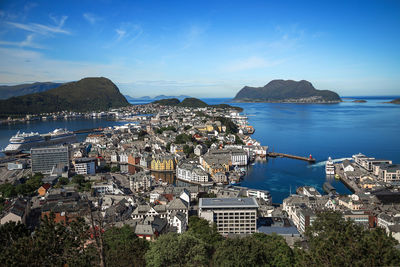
x=183, y=138
x=201, y=229
x=192, y=102
x=85, y=95
x=51, y=245
x=334, y=241
x=80, y=180
x=115, y=168
x=188, y=150
x=167, y=102
x=163, y=129
x=231, y=127
x=124, y=248
x=168, y=147
x=255, y=250
x=238, y=141
x=177, y=250
x=7, y=190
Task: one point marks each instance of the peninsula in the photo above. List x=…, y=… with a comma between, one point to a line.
x=286, y=91
x=192, y=102
x=88, y=94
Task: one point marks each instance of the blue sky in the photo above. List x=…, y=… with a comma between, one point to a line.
x=204, y=48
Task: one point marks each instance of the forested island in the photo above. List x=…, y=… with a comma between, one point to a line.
x=286, y=91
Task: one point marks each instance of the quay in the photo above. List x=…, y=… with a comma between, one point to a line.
x=93, y=130
x=282, y=155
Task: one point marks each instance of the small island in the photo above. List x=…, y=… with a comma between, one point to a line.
x=395, y=101
x=359, y=101
x=287, y=91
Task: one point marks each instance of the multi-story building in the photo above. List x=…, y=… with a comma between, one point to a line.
x=389, y=173
x=163, y=163
x=231, y=215
x=44, y=159
x=140, y=181
x=85, y=165
x=191, y=172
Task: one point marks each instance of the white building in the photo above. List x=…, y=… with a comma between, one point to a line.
x=85, y=166
x=191, y=172
x=231, y=215
x=107, y=188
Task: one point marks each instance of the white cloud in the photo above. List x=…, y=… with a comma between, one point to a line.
x=41, y=28
x=91, y=18
x=128, y=32
x=28, y=42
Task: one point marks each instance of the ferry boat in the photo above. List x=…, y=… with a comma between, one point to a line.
x=26, y=141
x=329, y=167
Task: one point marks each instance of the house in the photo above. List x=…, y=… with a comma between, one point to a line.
x=43, y=189
x=179, y=221
x=200, y=149
x=347, y=166
x=150, y=228
x=163, y=163
x=16, y=211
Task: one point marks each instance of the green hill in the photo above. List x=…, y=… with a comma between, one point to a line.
x=167, y=102
x=7, y=91
x=88, y=94
x=191, y=102
x=286, y=91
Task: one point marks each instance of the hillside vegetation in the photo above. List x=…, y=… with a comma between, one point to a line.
x=286, y=91
x=88, y=94
x=193, y=103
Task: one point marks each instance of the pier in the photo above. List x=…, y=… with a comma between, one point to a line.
x=93, y=130
x=282, y=155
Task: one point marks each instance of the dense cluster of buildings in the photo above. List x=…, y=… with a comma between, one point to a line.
x=156, y=172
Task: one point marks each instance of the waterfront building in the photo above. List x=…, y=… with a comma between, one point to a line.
x=107, y=188
x=231, y=215
x=44, y=159
x=389, y=173
x=191, y=172
x=85, y=165
x=163, y=163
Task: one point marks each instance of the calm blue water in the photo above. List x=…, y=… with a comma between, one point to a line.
x=8, y=130
x=337, y=130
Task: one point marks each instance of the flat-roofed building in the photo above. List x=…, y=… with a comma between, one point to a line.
x=44, y=159
x=231, y=215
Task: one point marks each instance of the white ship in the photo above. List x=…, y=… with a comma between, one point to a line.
x=26, y=141
x=329, y=167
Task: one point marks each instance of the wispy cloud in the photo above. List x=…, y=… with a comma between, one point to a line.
x=254, y=62
x=91, y=18
x=41, y=28
x=28, y=42
x=128, y=32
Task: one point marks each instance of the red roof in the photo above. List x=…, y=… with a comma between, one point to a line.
x=46, y=186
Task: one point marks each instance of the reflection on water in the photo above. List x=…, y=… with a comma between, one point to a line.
x=166, y=177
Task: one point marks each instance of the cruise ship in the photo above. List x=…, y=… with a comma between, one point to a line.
x=329, y=167
x=25, y=141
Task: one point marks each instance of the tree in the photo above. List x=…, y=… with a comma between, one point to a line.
x=177, y=250
x=7, y=190
x=334, y=241
x=124, y=248
x=115, y=168
x=201, y=229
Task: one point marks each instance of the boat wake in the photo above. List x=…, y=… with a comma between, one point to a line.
x=322, y=163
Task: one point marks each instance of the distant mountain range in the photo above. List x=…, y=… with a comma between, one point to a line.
x=7, y=91
x=159, y=97
x=286, y=91
x=88, y=94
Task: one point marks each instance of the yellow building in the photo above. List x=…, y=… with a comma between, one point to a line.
x=163, y=163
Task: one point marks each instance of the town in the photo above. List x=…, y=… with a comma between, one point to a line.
x=169, y=163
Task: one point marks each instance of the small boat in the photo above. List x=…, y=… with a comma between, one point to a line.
x=329, y=167
x=337, y=176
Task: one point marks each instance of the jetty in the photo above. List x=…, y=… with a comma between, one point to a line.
x=282, y=155
x=92, y=130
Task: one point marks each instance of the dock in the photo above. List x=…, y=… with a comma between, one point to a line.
x=93, y=130
x=282, y=155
